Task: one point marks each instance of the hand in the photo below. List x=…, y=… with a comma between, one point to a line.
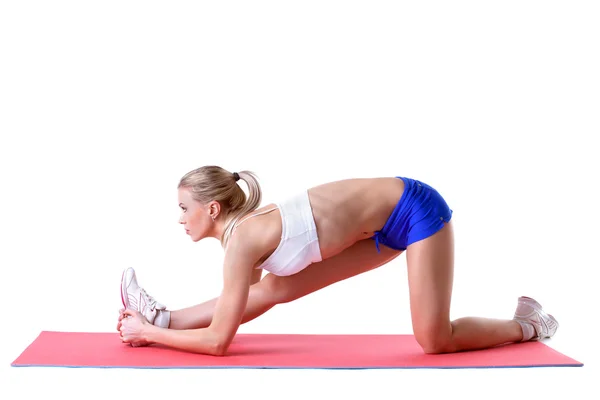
x=132, y=326
x=121, y=316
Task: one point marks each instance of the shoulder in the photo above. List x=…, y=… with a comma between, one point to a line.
x=255, y=237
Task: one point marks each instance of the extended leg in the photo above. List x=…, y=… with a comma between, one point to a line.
x=273, y=290
x=260, y=301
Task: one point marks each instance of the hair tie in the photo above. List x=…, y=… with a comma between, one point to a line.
x=236, y=176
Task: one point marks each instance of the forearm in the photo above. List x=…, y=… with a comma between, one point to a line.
x=203, y=341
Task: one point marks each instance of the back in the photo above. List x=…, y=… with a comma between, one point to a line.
x=350, y=210
x=320, y=222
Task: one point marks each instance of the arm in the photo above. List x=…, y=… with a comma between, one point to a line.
x=256, y=276
x=238, y=275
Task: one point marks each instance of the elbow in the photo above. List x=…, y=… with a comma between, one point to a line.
x=219, y=349
x=220, y=346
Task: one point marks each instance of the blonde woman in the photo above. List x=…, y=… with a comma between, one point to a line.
x=321, y=236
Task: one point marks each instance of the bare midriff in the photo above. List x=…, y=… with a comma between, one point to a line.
x=345, y=212
x=351, y=210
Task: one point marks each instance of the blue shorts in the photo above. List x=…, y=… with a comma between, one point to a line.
x=420, y=212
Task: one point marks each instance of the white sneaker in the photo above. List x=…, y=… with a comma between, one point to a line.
x=135, y=298
x=530, y=311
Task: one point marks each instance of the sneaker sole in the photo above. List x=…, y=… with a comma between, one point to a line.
x=530, y=302
x=124, y=291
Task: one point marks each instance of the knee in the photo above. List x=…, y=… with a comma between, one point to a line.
x=435, y=340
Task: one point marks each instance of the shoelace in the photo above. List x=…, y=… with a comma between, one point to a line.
x=149, y=300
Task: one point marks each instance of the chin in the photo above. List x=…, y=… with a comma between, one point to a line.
x=196, y=238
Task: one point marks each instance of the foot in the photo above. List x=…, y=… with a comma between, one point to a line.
x=135, y=298
x=530, y=312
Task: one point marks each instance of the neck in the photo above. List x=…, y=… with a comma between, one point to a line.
x=218, y=229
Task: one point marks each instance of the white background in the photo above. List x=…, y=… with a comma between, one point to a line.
x=105, y=105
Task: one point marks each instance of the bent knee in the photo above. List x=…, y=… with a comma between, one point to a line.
x=435, y=340
x=437, y=346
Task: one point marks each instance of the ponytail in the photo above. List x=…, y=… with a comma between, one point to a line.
x=247, y=205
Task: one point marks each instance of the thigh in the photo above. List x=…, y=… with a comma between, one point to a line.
x=356, y=259
x=430, y=264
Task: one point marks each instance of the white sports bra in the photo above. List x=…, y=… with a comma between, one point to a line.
x=299, y=245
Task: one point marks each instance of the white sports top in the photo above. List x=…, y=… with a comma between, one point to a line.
x=299, y=245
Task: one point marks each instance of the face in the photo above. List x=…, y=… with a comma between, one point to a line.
x=195, y=216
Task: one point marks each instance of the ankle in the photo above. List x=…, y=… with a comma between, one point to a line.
x=527, y=329
x=162, y=319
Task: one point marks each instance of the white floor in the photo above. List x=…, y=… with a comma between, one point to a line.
x=105, y=107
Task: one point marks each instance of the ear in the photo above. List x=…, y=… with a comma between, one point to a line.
x=214, y=209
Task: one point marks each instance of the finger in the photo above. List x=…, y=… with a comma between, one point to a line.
x=121, y=316
x=119, y=322
x=129, y=313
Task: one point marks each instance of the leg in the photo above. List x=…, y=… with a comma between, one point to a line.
x=430, y=275
x=200, y=315
x=273, y=290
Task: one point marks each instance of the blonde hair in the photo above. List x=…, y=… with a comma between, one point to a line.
x=212, y=182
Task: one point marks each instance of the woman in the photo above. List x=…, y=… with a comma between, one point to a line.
x=321, y=236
